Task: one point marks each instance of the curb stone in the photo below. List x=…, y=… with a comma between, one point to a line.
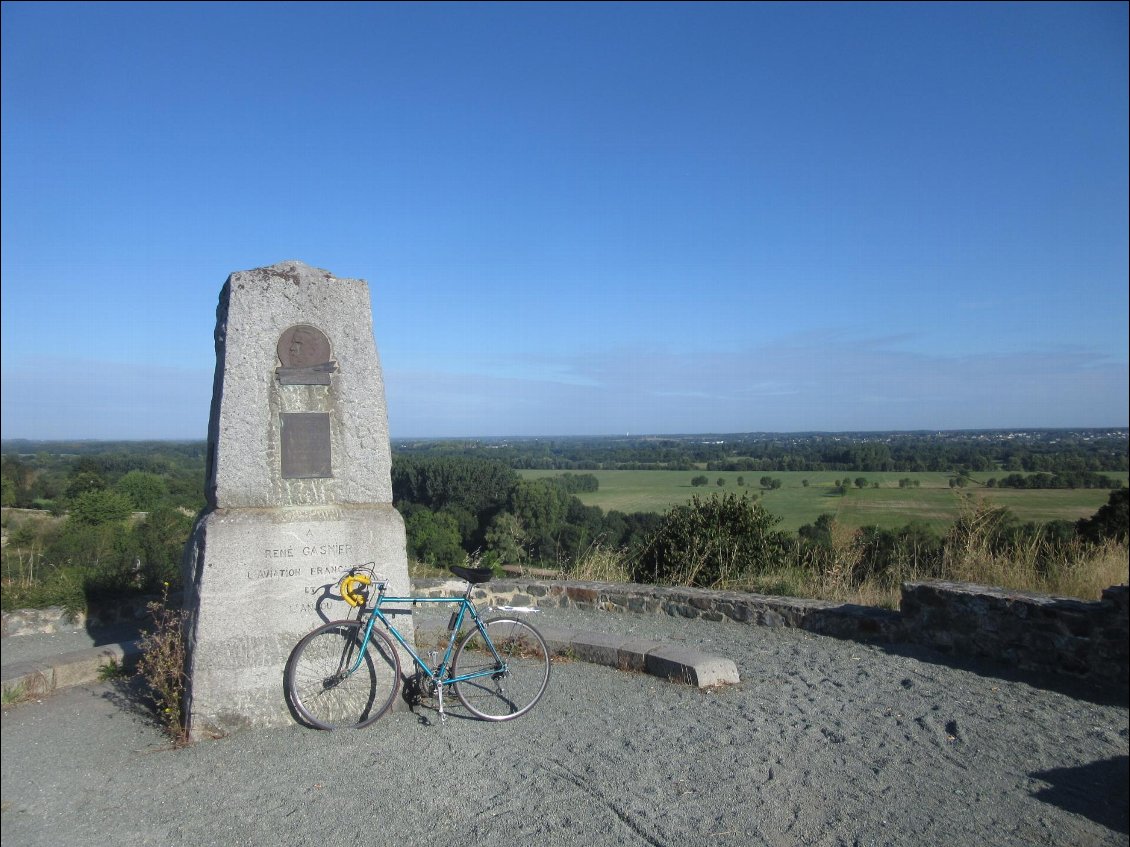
x=664, y=660
x=77, y=667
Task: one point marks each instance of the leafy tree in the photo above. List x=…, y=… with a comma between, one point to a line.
x=105, y=554
x=471, y=490
x=1112, y=520
x=820, y=531
x=84, y=481
x=577, y=483
x=699, y=481
x=100, y=506
x=721, y=481
x=540, y=506
x=433, y=538
x=861, y=482
x=147, y=491
x=161, y=539
x=883, y=553
x=712, y=540
x=507, y=538
x=480, y=486
x=17, y=481
x=9, y=493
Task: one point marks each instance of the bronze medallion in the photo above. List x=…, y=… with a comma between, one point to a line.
x=303, y=346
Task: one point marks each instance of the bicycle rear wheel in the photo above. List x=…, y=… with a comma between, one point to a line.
x=509, y=685
x=332, y=684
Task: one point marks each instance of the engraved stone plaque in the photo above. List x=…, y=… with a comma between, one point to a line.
x=306, y=445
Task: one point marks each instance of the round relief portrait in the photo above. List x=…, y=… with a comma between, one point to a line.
x=303, y=346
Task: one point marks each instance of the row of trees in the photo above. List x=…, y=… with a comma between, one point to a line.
x=126, y=522
x=1067, y=479
x=1051, y=451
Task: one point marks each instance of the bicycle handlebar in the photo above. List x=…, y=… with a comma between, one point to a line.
x=354, y=586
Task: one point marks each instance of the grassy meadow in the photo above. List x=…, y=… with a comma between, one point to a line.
x=932, y=501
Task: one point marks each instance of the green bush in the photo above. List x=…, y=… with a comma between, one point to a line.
x=146, y=491
x=100, y=506
x=433, y=538
x=713, y=542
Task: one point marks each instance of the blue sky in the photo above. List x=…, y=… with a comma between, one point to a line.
x=578, y=218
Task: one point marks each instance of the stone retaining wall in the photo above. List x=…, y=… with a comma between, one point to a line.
x=55, y=619
x=1035, y=632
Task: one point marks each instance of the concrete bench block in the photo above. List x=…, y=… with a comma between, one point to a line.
x=558, y=639
x=632, y=654
x=597, y=648
x=691, y=667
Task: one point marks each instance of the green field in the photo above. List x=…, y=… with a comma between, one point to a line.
x=889, y=506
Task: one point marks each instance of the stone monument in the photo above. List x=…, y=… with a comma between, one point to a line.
x=299, y=488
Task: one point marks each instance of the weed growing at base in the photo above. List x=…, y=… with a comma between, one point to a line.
x=113, y=669
x=161, y=666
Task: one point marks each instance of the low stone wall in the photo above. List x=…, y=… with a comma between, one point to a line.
x=55, y=619
x=842, y=620
x=1032, y=632
x=1035, y=632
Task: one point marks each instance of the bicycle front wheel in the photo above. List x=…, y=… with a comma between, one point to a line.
x=510, y=678
x=335, y=684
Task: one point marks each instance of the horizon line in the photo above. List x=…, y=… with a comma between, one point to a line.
x=689, y=434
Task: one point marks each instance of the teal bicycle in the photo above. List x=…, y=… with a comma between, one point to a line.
x=346, y=673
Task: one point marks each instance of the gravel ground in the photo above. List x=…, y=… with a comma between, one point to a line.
x=824, y=742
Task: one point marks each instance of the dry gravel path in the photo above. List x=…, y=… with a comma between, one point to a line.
x=824, y=742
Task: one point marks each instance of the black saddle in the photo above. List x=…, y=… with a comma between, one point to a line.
x=472, y=575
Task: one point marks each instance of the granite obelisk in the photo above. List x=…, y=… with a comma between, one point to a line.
x=298, y=487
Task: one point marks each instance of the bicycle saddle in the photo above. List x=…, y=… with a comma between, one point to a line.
x=472, y=575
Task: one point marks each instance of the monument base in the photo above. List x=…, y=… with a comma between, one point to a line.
x=260, y=579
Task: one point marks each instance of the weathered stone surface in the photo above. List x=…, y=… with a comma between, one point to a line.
x=263, y=580
x=597, y=648
x=691, y=667
x=1032, y=632
x=256, y=308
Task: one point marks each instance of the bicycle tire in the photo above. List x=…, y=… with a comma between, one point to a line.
x=324, y=694
x=507, y=694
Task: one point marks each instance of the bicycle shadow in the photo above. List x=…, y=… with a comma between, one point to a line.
x=418, y=693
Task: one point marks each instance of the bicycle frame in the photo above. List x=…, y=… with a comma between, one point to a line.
x=438, y=675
